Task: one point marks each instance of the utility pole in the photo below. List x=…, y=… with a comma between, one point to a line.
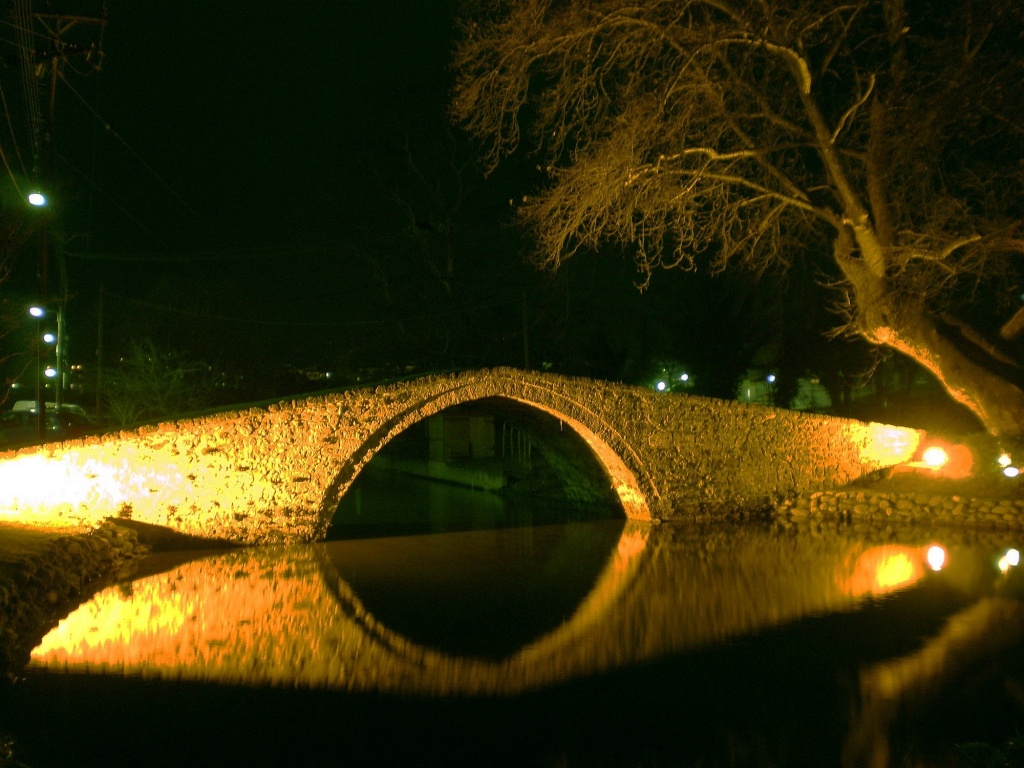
x=49, y=63
x=99, y=357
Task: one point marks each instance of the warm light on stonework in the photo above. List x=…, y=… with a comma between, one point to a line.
x=883, y=446
x=82, y=486
x=276, y=474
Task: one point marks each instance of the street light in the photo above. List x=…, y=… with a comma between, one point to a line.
x=54, y=371
x=37, y=199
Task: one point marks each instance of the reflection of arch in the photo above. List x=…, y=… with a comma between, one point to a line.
x=318, y=634
x=607, y=444
x=549, y=658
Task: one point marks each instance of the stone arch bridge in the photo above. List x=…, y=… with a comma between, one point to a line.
x=275, y=473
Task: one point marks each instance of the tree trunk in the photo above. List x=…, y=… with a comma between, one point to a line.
x=907, y=327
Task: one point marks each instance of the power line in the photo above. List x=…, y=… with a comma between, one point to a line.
x=301, y=323
x=14, y=139
x=208, y=255
x=114, y=202
x=24, y=27
x=107, y=127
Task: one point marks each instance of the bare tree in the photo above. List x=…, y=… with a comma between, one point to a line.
x=881, y=136
x=152, y=383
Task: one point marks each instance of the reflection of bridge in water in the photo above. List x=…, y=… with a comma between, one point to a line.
x=285, y=616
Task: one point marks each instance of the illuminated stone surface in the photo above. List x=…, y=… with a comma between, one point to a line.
x=275, y=474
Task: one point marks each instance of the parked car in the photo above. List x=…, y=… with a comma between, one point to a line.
x=30, y=405
x=18, y=428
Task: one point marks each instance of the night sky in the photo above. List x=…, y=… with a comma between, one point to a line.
x=255, y=185
x=241, y=171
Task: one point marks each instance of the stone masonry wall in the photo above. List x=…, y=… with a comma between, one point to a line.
x=868, y=510
x=276, y=473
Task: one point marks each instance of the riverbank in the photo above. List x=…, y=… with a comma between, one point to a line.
x=884, y=503
x=45, y=571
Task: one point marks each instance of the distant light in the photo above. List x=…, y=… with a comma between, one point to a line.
x=36, y=311
x=771, y=378
x=661, y=386
x=936, y=557
x=38, y=199
x=935, y=457
x=685, y=377
x=49, y=338
x=1011, y=471
x=50, y=373
x=1004, y=460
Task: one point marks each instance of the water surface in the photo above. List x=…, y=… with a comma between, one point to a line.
x=601, y=643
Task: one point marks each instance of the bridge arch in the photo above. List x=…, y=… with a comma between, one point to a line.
x=631, y=484
x=275, y=472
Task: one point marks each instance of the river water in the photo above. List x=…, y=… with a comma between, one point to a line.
x=476, y=639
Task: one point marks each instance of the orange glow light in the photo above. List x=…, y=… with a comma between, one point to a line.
x=942, y=459
x=935, y=456
x=880, y=570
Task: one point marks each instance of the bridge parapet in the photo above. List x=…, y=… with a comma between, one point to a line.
x=276, y=473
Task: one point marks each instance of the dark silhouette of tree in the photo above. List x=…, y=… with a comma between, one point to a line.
x=879, y=138
x=152, y=383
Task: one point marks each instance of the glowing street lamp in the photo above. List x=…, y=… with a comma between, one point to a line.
x=54, y=371
x=36, y=199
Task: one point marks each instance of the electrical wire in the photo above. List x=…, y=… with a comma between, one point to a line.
x=115, y=203
x=134, y=154
x=209, y=256
x=14, y=137
x=23, y=18
x=297, y=323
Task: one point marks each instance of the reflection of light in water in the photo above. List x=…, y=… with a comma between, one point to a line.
x=936, y=557
x=894, y=570
x=1010, y=560
x=282, y=616
x=883, y=569
x=287, y=617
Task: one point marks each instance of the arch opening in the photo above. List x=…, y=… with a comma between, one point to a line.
x=492, y=462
